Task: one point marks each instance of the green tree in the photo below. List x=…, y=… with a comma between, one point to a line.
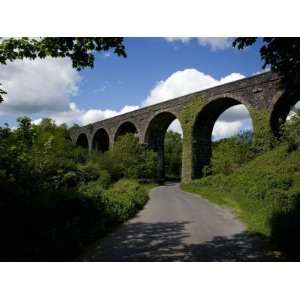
x=280, y=53
x=230, y=154
x=24, y=132
x=132, y=159
x=173, y=154
x=81, y=50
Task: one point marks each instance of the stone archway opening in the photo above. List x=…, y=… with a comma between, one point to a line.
x=164, y=136
x=285, y=109
x=221, y=119
x=82, y=141
x=173, y=151
x=100, y=142
x=125, y=128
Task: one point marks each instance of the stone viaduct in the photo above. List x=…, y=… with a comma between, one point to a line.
x=268, y=105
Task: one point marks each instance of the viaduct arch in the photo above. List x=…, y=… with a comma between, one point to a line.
x=100, y=140
x=82, y=140
x=155, y=135
x=268, y=105
x=126, y=127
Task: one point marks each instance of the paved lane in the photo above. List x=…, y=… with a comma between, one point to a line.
x=178, y=226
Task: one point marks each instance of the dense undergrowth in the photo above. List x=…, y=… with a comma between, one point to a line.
x=263, y=190
x=56, y=198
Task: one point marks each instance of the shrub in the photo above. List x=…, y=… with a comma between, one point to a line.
x=132, y=160
x=124, y=199
x=230, y=154
x=56, y=197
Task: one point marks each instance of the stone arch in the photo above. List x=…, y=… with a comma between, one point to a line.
x=124, y=128
x=282, y=104
x=202, y=128
x=82, y=141
x=155, y=135
x=100, y=140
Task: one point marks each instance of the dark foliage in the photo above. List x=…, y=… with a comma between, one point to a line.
x=173, y=154
x=282, y=54
x=55, y=197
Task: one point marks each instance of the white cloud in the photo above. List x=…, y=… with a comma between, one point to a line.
x=38, y=85
x=226, y=129
x=191, y=80
x=214, y=43
x=84, y=117
x=185, y=82
x=175, y=126
x=45, y=86
x=180, y=39
x=234, y=113
x=231, y=77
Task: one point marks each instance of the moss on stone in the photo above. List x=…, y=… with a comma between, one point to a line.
x=187, y=120
x=263, y=138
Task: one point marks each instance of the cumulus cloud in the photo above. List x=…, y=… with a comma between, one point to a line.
x=84, y=117
x=191, y=80
x=185, y=82
x=38, y=85
x=46, y=86
x=214, y=43
x=226, y=129
x=175, y=126
x=238, y=112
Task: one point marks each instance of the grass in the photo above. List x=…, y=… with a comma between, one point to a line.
x=149, y=186
x=254, y=222
x=264, y=194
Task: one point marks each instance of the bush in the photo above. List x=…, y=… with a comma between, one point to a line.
x=56, y=197
x=132, y=160
x=230, y=154
x=124, y=199
x=45, y=225
x=173, y=154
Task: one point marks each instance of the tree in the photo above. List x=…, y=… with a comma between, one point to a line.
x=132, y=159
x=230, y=154
x=80, y=50
x=173, y=153
x=281, y=54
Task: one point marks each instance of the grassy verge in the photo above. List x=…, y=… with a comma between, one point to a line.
x=254, y=220
x=264, y=193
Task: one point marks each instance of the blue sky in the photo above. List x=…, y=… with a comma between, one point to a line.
x=115, y=82
x=156, y=69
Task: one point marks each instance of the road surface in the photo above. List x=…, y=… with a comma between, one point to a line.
x=178, y=226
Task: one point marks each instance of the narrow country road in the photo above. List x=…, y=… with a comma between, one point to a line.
x=178, y=226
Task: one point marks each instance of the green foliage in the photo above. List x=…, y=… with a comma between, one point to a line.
x=281, y=54
x=187, y=120
x=56, y=197
x=2, y=92
x=264, y=192
x=130, y=159
x=229, y=154
x=124, y=199
x=81, y=50
x=173, y=154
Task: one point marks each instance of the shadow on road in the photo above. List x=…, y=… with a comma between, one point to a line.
x=166, y=242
